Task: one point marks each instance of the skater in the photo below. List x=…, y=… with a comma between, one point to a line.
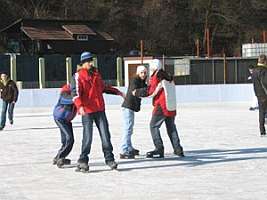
x=9, y=94
x=131, y=105
x=160, y=112
x=88, y=98
x=64, y=112
x=259, y=79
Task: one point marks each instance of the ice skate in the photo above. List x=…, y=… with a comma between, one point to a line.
x=155, y=154
x=82, y=167
x=112, y=164
x=63, y=161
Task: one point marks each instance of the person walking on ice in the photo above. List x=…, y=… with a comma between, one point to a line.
x=164, y=103
x=88, y=98
x=9, y=94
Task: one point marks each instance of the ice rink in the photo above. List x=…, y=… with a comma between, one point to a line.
x=225, y=158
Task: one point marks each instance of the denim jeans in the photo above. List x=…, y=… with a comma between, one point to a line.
x=67, y=139
x=155, y=124
x=101, y=122
x=128, y=123
x=10, y=109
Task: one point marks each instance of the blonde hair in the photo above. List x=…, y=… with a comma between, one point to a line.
x=78, y=67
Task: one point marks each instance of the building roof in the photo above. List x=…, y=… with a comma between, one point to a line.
x=39, y=33
x=41, y=29
x=79, y=30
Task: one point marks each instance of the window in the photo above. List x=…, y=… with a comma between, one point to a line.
x=82, y=37
x=181, y=67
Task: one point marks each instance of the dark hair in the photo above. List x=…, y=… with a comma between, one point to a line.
x=262, y=59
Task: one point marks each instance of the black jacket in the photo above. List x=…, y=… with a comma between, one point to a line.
x=131, y=101
x=259, y=79
x=9, y=92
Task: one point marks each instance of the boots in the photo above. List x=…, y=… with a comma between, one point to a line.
x=155, y=154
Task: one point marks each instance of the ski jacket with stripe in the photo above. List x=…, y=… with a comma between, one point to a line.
x=88, y=89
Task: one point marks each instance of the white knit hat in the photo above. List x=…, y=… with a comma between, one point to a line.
x=155, y=65
x=140, y=68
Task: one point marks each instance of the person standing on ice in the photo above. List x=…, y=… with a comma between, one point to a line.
x=259, y=79
x=88, y=98
x=63, y=113
x=131, y=105
x=164, y=110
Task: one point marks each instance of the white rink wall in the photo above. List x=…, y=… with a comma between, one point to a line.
x=184, y=94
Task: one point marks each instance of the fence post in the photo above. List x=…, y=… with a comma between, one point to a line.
x=68, y=69
x=95, y=62
x=224, y=68
x=13, y=67
x=41, y=73
x=119, y=71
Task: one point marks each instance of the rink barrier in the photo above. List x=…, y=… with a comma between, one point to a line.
x=184, y=94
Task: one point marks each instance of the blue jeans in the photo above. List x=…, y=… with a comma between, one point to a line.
x=10, y=109
x=128, y=123
x=67, y=139
x=155, y=124
x=101, y=122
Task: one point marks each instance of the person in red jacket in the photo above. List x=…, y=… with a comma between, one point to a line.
x=88, y=92
x=160, y=112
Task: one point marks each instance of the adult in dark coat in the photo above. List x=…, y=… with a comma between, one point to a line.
x=259, y=79
x=9, y=95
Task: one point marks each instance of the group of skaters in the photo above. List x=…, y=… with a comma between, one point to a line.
x=84, y=95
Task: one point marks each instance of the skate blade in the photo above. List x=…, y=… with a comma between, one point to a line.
x=81, y=170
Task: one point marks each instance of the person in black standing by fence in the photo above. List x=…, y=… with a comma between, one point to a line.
x=9, y=95
x=259, y=79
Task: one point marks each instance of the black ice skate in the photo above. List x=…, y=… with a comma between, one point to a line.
x=155, y=154
x=127, y=155
x=179, y=152
x=82, y=167
x=112, y=164
x=63, y=161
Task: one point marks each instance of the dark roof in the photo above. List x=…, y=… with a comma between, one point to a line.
x=79, y=29
x=42, y=29
x=39, y=33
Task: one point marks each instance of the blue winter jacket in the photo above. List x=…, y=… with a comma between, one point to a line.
x=65, y=108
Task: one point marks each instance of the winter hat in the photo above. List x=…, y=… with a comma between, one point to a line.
x=86, y=56
x=140, y=68
x=155, y=65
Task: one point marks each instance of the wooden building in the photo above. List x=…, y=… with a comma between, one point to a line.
x=40, y=36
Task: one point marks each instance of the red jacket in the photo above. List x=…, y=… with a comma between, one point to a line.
x=88, y=90
x=159, y=101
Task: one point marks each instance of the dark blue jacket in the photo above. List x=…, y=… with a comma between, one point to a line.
x=65, y=108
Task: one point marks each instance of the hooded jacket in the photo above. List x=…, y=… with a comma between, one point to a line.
x=259, y=79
